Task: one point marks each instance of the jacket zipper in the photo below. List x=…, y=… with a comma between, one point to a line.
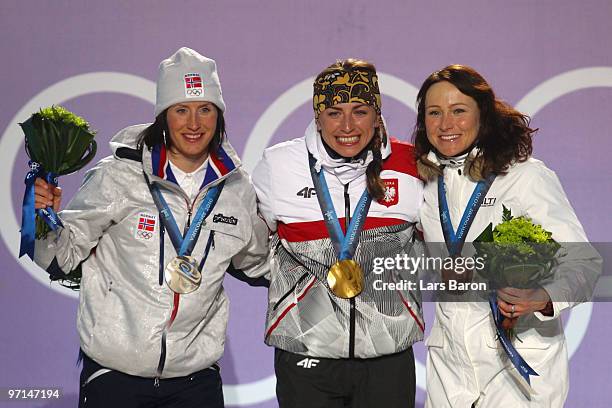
x=162, y=356
x=347, y=220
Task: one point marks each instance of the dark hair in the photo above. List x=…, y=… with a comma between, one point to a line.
x=504, y=135
x=376, y=187
x=154, y=133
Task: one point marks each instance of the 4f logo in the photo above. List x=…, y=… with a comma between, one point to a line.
x=308, y=363
x=307, y=192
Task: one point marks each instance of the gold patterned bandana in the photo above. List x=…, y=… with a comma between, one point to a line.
x=341, y=86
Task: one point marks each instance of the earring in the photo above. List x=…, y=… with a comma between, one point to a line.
x=164, y=135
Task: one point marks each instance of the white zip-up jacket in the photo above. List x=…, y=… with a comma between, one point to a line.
x=113, y=226
x=465, y=361
x=304, y=316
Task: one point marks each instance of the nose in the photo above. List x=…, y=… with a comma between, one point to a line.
x=446, y=122
x=193, y=122
x=347, y=123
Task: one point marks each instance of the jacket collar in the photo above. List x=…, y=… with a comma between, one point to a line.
x=346, y=171
x=224, y=162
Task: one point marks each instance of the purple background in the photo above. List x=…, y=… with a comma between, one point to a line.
x=263, y=49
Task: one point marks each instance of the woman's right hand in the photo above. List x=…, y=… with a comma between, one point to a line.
x=46, y=195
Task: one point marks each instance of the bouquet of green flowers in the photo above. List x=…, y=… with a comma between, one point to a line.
x=58, y=142
x=517, y=252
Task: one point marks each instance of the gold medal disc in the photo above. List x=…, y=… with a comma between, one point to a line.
x=345, y=279
x=182, y=274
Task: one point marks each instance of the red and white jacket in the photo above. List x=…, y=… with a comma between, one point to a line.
x=304, y=316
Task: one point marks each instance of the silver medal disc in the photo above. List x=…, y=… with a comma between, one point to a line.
x=182, y=274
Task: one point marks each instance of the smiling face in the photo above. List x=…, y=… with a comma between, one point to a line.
x=192, y=126
x=348, y=127
x=452, y=119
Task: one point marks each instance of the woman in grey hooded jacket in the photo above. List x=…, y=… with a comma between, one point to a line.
x=154, y=227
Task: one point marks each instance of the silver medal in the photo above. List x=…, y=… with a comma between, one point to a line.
x=182, y=274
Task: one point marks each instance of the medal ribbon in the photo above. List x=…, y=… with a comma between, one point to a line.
x=521, y=365
x=345, y=245
x=28, y=211
x=455, y=241
x=184, y=244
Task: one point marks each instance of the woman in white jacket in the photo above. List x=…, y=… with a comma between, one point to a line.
x=466, y=139
x=154, y=227
x=342, y=330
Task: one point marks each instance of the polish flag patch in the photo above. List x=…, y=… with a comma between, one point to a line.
x=147, y=225
x=193, y=85
x=391, y=196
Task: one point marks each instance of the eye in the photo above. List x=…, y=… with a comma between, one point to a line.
x=458, y=111
x=433, y=112
x=205, y=109
x=180, y=110
x=333, y=114
x=361, y=112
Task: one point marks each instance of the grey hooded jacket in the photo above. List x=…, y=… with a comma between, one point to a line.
x=113, y=226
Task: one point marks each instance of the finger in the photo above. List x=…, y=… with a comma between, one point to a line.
x=508, y=296
x=42, y=183
x=57, y=200
x=505, y=308
x=43, y=197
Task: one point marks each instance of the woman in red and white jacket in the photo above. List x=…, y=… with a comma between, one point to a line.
x=342, y=323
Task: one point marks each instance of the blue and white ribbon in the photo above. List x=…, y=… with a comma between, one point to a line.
x=28, y=211
x=521, y=365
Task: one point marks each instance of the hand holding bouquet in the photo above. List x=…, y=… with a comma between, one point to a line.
x=58, y=142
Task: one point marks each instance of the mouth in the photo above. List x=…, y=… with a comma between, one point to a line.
x=449, y=138
x=192, y=137
x=347, y=140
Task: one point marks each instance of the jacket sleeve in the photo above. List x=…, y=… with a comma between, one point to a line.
x=90, y=212
x=252, y=260
x=579, y=265
x=263, y=183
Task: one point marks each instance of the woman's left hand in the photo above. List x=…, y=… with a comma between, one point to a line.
x=513, y=302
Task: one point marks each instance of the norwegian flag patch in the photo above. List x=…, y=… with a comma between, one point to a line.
x=193, y=85
x=391, y=196
x=147, y=225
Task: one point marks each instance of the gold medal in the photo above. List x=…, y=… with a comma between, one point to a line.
x=345, y=279
x=182, y=274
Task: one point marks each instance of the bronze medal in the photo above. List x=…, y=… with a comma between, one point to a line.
x=182, y=274
x=345, y=279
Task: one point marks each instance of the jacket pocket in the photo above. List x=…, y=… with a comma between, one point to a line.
x=527, y=341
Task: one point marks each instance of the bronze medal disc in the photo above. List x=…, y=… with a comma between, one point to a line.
x=182, y=274
x=345, y=279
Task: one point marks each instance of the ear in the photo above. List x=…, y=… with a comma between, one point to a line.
x=318, y=125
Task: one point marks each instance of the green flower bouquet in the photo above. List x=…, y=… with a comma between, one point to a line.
x=58, y=142
x=517, y=252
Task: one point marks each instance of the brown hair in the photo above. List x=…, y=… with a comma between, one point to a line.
x=375, y=185
x=504, y=135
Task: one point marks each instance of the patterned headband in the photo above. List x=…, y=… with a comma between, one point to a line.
x=341, y=86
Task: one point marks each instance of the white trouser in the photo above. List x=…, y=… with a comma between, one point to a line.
x=466, y=364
